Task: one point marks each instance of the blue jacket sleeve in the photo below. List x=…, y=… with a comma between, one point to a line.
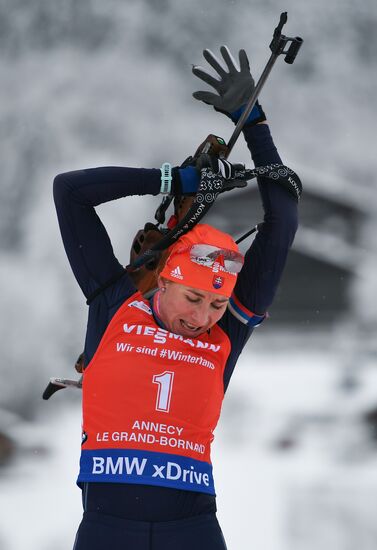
x=265, y=260
x=259, y=278
x=85, y=239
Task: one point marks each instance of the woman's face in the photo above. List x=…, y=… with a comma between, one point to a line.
x=188, y=311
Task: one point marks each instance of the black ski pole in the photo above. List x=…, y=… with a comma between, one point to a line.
x=278, y=43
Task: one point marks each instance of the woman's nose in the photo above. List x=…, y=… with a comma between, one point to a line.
x=200, y=315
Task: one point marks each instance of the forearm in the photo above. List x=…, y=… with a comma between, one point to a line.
x=95, y=186
x=260, y=144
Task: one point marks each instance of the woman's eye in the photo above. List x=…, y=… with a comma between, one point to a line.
x=192, y=300
x=218, y=307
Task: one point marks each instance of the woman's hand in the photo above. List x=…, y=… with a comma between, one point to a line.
x=234, y=88
x=186, y=179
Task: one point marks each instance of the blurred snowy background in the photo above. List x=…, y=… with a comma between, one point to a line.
x=89, y=83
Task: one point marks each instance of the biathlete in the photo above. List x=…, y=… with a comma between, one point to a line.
x=157, y=368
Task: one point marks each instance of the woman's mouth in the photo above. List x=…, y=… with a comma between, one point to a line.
x=187, y=326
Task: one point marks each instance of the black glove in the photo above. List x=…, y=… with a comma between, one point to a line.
x=234, y=88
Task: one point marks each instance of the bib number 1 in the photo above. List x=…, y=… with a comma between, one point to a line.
x=165, y=386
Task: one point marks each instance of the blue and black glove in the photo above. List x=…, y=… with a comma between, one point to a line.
x=219, y=174
x=234, y=88
x=186, y=179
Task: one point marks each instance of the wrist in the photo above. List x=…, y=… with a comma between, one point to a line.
x=256, y=115
x=189, y=179
x=185, y=181
x=166, y=179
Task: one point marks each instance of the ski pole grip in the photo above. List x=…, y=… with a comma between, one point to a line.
x=278, y=40
x=293, y=50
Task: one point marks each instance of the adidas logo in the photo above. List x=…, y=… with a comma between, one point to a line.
x=176, y=273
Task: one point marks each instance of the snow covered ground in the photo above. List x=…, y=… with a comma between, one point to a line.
x=294, y=467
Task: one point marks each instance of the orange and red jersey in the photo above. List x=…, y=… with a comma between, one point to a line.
x=95, y=266
x=151, y=401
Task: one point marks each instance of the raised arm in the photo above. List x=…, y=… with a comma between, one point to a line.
x=265, y=260
x=85, y=239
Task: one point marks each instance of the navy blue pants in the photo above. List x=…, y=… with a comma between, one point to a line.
x=103, y=532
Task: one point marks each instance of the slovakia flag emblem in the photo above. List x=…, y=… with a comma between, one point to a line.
x=217, y=281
